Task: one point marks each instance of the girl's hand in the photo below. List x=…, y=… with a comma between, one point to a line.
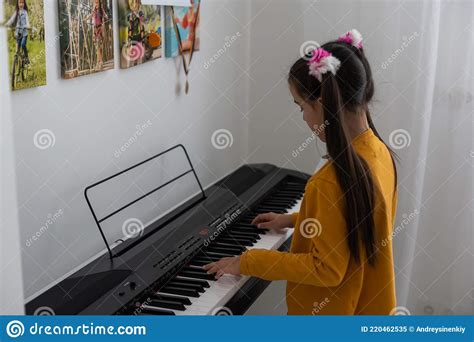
x=229, y=265
x=273, y=221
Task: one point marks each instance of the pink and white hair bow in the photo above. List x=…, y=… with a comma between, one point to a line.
x=321, y=62
x=352, y=37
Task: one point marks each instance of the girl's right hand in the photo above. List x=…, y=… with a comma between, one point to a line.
x=273, y=221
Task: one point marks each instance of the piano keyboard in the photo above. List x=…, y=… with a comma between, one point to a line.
x=194, y=292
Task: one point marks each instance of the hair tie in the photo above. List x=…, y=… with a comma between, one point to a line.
x=321, y=62
x=352, y=37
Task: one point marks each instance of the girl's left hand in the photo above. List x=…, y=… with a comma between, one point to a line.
x=229, y=265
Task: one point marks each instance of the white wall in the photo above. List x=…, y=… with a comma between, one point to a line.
x=277, y=127
x=11, y=296
x=93, y=116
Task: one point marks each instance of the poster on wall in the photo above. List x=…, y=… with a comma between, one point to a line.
x=86, y=37
x=27, y=50
x=184, y=22
x=139, y=32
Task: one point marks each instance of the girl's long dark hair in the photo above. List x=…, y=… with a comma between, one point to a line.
x=18, y=7
x=350, y=90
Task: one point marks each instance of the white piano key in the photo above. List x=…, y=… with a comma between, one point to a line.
x=222, y=290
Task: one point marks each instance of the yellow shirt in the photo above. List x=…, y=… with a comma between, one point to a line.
x=322, y=276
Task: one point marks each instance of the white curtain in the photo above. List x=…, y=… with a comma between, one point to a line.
x=426, y=111
x=421, y=54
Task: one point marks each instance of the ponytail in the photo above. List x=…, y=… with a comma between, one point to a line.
x=352, y=172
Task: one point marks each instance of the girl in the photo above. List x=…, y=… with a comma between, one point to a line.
x=21, y=21
x=340, y=260
x=99, y=17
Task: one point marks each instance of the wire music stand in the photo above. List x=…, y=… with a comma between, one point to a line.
x=98, y=220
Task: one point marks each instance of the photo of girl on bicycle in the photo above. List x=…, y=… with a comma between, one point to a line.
x=140, y=32
x=86, y=41
x=26, y=44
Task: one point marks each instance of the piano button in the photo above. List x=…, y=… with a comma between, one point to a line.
x=197, y=275
x=183, y=300
x=198, y=288
x=167, y=304
x=180, y=291
x=155, y=311
x=202, y=283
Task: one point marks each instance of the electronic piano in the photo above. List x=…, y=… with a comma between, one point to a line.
x=161, y=274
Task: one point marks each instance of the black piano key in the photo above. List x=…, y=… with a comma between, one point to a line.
x=179, y=284
x=197, y=275
x=249, y=230
x=241, y=235
x=217, y=256
x=199, y=263
x=166, y=304
x=226, y=250
x=285, y=197
x=237, y=242
x=214, y=252
x=245, y=225
x=203, y=283
x=204, y=257
x=194, y=269
x=182, y=300
x=273, y=208
x=155, y=311
x=289, y=192
x=228, y=245
x=180, y=291
x=263, y=211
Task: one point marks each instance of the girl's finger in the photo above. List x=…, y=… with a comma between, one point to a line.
x=208, y=266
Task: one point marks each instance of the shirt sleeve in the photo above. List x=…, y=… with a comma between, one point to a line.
x=294, y=218
x=11, y=20
x=27, y=20
x=321, y=220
